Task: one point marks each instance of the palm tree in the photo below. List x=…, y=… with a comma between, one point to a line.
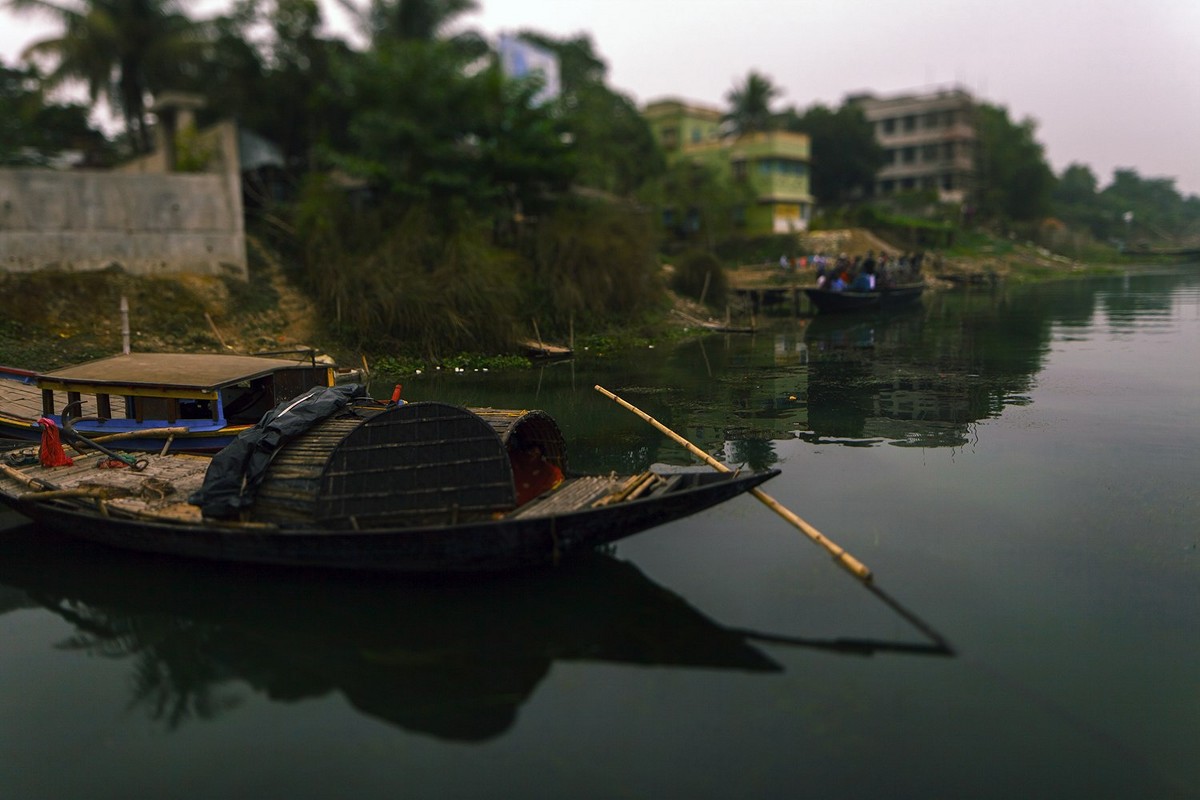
x=750, y=104
x=121, y=49
x=411, y=20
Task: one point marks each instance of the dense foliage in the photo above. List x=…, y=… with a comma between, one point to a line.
x=1131, y=211
x=698, y=275
x=1015, y=182
x=437, y=204
x=35, y=132
x=845, y=153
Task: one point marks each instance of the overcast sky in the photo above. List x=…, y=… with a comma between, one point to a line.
x=1110, y=84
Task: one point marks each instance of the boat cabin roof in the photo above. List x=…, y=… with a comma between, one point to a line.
x=200, y=372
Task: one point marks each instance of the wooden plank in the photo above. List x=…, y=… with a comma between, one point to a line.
x=20, y=400
x=572, y=495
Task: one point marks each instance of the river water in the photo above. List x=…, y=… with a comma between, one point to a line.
x=1017, y=465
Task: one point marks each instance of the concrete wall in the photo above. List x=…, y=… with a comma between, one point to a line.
x=148, y=224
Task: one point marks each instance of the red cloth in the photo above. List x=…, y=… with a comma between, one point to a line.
x=533, y=475
x=51, y=453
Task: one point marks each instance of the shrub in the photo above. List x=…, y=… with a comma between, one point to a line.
x=700, y=276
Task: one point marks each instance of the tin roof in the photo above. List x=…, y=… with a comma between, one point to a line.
x=204, y=372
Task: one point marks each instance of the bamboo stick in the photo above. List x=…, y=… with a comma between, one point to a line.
x=146, y=432
x=625, y=490
x=216, y=332
x=26, y=480
x=844, y=559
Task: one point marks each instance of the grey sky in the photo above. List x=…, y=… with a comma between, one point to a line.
x=1110, y=84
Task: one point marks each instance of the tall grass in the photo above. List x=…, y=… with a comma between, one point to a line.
x=430, y=286
x=403, y=279
x=699, y=275
x=594, y=262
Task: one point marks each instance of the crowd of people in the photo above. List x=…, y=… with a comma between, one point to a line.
x=864, y=273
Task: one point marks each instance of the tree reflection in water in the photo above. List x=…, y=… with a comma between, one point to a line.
x=451, y=658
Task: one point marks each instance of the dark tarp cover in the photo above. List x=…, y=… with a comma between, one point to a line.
x=235, y=473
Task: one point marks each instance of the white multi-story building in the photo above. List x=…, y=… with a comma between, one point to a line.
x=930, y=140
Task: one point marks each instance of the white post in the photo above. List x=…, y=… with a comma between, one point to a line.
x=124, y=325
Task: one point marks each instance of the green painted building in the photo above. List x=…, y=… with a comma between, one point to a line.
x=775, y=164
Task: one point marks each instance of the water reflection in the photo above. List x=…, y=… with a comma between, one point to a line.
x=452, y=660
x=921, y=377
x=455, y=659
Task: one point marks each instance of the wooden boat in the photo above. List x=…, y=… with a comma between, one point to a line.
x=200, y=401
x=828, y=301
x=544, y=351
x=417, y=488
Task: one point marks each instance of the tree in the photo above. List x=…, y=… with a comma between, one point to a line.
x=1148, y=209
x=1078, y=203
x=1015, y=182
x=845, y=154
x=750, y=104
x=121, y=49
x=614, y=147
x=424, y=131
x=1077, y=186
x=698, y=203
x=34, y=132
x=415, y=21
x=266, y=65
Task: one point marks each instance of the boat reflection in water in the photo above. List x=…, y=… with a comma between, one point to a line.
x=452, y=659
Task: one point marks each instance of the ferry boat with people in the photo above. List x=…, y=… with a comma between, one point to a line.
x=830, y=301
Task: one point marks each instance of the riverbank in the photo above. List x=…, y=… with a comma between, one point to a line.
x=52, y=319
x=991, y=262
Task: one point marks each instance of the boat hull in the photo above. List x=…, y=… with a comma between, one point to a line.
x=830, y=302
x=485, y=546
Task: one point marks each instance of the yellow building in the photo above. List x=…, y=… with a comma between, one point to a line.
x=775, y=164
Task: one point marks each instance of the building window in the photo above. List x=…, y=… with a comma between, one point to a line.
x=888, y=126
x=908, y=155
x=697, y=135
x=929, y=153
x=670, y=138
x=889, y=158
x=782, y=166
x=910, y=123
x=739, y=170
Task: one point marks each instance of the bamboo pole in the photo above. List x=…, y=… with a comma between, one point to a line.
x=152, y=433
x=216, y=332
x=844, y=559
x=538, y=334
x=17, y=475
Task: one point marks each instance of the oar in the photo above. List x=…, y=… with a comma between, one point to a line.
x=849, y=562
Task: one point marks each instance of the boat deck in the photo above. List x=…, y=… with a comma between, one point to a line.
x=160, y=491
x=24, y=400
